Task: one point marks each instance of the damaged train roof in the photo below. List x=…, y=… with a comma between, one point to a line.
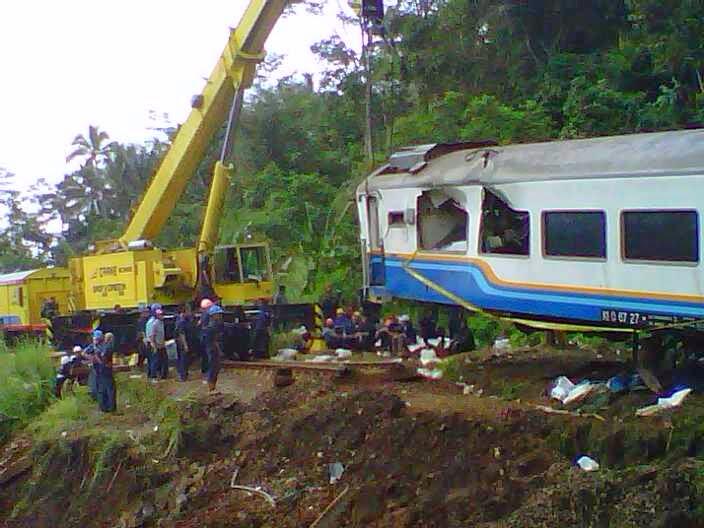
x=677, y=153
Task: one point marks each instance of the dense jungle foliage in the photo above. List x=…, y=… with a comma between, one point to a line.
x=442, y=70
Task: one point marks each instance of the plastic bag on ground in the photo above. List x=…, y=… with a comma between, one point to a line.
x=587, y=463
x=286, y=354
x=501, y=344
x=335, y=472
x=578, y=393
x=343, y=353
x=430, y=373
x=427, y=356
x=561, y=388
x=415, y=348
x=663, y=404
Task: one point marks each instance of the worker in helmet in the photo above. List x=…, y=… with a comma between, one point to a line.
x=205, y=305
x=212, y=335
x=65, y=371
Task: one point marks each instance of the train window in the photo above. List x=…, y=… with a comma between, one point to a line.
x=504, y=230
x=442, y=223
x=575, y=234
x=670, y=236
x=396, y=219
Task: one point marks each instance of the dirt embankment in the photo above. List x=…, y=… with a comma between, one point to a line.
x=414, y=454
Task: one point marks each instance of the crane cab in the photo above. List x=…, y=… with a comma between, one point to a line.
x=242, y=273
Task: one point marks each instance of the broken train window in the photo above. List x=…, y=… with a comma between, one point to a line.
x=442, y=223
x=504, y=230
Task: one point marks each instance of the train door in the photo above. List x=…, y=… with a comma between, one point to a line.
x=376, y=262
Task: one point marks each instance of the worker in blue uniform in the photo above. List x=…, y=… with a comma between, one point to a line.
x=183, y=334
x=89, y=353
x=212, y=335
x=260, y=334
x=106, y=391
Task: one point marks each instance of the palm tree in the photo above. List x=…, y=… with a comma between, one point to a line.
x=93, y=148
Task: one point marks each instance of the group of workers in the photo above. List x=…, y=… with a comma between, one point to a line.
x=396, y=334
x=97, y=356
x=203, y=336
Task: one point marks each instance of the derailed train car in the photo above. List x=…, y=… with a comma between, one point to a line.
x=599, y=234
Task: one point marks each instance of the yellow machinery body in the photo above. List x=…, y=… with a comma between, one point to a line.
x=22, y=293
x=134, y=278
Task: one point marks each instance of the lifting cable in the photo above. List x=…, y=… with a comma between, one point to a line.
x=540, y=325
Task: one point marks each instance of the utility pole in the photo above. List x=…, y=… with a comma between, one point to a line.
x=372, y=12
x=367, y=63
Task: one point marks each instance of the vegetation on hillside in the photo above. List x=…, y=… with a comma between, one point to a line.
x=444, y=70
x=27, y=375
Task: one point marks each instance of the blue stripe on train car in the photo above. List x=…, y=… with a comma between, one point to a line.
x=468, y=281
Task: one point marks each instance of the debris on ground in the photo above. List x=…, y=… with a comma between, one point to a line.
x=343, y=353
x=286, y=354
x=665, y=404
x=568, y=393
x=256, y=491
x=433, y=374
x=335, y=472
x=587, y=463
x=427, y=356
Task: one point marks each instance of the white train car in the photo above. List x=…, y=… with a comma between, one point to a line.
x=599, y=233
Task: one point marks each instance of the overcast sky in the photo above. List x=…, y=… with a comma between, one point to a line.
x=66, y=64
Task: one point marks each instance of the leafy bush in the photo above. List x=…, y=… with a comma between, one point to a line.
x=485, y=329
x=27, y=375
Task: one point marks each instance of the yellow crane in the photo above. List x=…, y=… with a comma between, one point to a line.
x=130, y=271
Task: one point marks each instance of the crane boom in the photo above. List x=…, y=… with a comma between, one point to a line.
x=233, y=73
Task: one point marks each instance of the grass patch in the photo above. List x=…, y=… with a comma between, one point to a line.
x=26, y=382
x=67, y=414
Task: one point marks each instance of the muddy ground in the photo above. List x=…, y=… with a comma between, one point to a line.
x=415, y=453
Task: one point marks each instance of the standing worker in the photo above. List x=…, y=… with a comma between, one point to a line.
x=142, y=341
x=90, y=351
x=329, y=302
x=205, y=305
x=148, y=348
x=157, y=339
x=105, y=381
x=184, y=331
x=260, y=336
x=280, y=297
x=212, y=335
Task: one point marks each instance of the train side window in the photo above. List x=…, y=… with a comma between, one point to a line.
x=504, y=231
x=574, y=234
x=442, y=223
x=666, y=236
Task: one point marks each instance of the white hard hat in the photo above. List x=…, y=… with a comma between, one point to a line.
x=77, y=349
x=64, y=360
